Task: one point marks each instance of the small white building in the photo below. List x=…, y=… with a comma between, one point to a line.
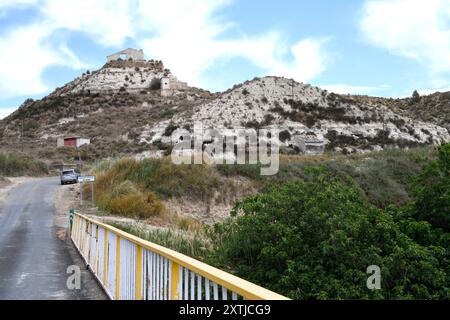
x=310, y=144
x=165, y=83
x=72, y=142
x=171, y=84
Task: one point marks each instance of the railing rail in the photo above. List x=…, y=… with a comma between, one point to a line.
x=130, y=268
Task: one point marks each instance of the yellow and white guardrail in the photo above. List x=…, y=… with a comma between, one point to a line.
x=130, y=268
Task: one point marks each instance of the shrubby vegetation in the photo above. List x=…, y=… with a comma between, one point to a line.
x=384, y=177
x=194, y=243
x=17, y=164
x=134, y=188
x=315, y=227
x=314, y=238
x=432, y=191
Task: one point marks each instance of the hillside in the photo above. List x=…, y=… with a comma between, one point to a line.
x=433, y=108
x=345, y=123
x=322, y=216
x=110, y=106
x=133, y=76
x=121, y=108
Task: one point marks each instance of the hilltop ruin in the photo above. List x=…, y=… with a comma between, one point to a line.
x=127, y=54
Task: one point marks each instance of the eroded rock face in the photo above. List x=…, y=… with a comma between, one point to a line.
x=296, y=109
x=117, y=75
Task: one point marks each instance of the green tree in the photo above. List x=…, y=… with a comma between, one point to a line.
x=315, y=238
x=415, y=97
x=432, y=191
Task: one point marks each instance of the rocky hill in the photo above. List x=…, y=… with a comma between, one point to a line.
x=121, y=108
x=433, y=108
x=110, y=106
x=345, y=123
x=133, y=76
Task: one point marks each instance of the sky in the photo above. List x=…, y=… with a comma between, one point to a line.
x=377, y=47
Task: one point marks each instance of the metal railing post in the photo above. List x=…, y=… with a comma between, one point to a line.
x=117, y=267
x=175, y=281
x=171, y=275
x=138, y=272
x=105, y=257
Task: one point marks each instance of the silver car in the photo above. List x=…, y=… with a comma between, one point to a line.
x=70, y=176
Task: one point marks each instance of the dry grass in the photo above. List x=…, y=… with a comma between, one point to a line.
x=126, y=199
x=195, y=244
x=132, y=188
x=19, y=164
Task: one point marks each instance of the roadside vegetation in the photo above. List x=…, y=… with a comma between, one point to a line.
x=194, y=243
x=384, y=177
x=311, y=231
x=132, y=188
x=18, y=164
x=314, y=238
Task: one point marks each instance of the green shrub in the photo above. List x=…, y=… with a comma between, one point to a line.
x=432, y=191
x=31, y=125
x=16, y=164
x=285, y=135
x=127, y=200
x=315, y=238
x=155, y=84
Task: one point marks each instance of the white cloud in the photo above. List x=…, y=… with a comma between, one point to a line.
x=26, y=51
x=415, y=29
x=189, y=36
x=24, y=55
x=5, y=4
x=309, y=61
x=108, y=22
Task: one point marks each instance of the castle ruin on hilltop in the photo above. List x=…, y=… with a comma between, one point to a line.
x=169, y=83
x=127, y=54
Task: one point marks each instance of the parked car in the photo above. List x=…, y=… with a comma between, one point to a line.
x=70, y=176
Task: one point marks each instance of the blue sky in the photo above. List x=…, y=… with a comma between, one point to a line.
x=376, y=47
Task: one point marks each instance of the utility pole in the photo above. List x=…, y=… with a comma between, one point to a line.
x=292, y=94
x=79, y=158
x=21, y=135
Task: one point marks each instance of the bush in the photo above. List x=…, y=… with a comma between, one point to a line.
x=432, y=191
x=31, y=125
x=315, y=238
x=127, y=200
x=155, y=84
x=415, y=97
x=171, y=127
x=268, y=119
x=285, y=135
x=160, y=176
x=15, y=164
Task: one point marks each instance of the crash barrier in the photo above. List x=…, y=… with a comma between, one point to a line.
x=130, y=268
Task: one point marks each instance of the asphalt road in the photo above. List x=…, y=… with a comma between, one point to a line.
x=34, y=257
